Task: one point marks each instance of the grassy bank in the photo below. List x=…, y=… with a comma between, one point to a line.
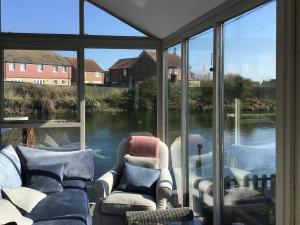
x=23, y=98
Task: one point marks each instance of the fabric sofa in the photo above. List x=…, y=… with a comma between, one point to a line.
x=67, y=207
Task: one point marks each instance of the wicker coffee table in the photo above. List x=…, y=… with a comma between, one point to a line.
x=176, y=216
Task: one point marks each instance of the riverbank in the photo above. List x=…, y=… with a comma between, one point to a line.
x=23, y=98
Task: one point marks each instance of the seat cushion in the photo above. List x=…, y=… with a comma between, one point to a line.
x=62, y=205
x=74, y=184
x=67, y=220
x=236, y=196
x=118, y=202
x=242, y=195
x=70, y=221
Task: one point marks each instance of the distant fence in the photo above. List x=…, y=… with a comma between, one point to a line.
x=14, y=89
x=103, y=92
x=38, y=90
x=261, y=183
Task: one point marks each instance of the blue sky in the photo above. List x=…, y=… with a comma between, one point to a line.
x=249, y=45
x=250, y=42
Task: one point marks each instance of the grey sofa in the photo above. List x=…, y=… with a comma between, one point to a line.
x=68, y=207
x=112, y=204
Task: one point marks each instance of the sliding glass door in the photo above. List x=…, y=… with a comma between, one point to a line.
x=249, y=117
x=200, y=133
x=242, y=190
x=173, y=128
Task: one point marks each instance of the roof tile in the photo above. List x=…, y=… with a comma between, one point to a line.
x=35, y=57
x=89, y=65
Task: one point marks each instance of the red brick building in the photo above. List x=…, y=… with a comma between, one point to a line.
x=37, y=67
x=93, y=74
x=128, y=71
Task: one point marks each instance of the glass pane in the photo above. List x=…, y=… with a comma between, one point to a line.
x=39, y=85
x=173, y=136
x=125, y=103
x=43, y=138
x=99, y=22
x=249, y=117
x=200, y=142
x=36, y=16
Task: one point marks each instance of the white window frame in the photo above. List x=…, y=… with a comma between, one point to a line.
x=22, y=67
x=11, y=66
x=55, y=68
x=97, y=74
x=17, y=80
x=40, y=67
x=39, y=81
x=64, y=69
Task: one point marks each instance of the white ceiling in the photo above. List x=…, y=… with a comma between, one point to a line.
x=158, y=17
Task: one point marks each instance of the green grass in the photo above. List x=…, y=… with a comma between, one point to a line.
x=24, y=98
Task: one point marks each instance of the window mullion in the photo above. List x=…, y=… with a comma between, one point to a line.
x=218, y=124
x=161, y=97
x=184, y=123
x=81, y=96
x=81, y=17
x=2, y=85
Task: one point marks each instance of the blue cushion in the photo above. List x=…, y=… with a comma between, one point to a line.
x=45, y=178
x=78, y=164
x=10, y=167
x=68, y=204
x=66, y=221
x=138, y=179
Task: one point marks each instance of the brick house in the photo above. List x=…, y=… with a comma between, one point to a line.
x=174, y=67
x=128, y=71
x=93, y=74
x=37, y=67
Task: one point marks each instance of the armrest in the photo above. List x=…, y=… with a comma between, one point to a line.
x=164, y=188
x=206, y=186
x=107, y=182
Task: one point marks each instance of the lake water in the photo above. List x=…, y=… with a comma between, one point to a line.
x=255, y=150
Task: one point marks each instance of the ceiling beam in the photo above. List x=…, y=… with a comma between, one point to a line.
x=95, y=3
x=223, y=12
x=66, y=42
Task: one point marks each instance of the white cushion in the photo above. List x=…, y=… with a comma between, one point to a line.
x=118, y=202
x=22, y=197
x=9, y=213
x=147, y=162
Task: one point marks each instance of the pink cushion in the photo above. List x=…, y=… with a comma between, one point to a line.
x=144, y=146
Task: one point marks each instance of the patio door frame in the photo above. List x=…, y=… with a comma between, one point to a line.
x=285, y=99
